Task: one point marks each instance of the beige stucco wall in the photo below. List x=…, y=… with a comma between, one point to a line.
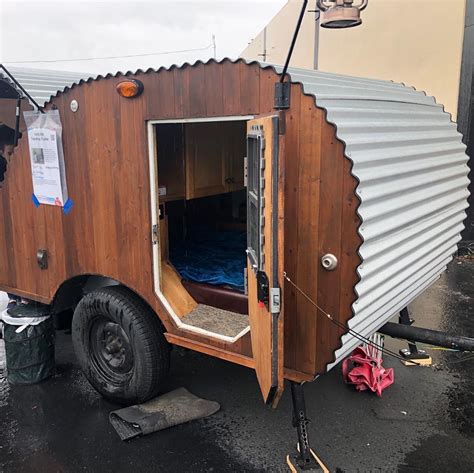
x=417, y=42
x=279, y=33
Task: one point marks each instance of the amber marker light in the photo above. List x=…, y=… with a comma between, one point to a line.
x=129, y=88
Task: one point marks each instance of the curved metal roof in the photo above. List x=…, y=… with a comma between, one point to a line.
x=41, y=84
x=411, y=165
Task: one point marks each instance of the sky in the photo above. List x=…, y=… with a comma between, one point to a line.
x=71, y=29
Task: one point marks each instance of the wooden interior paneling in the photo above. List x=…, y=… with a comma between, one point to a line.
x=170, y=155
x=205, y=165
x=175, y=293
x=214, y=157
x=108, y=231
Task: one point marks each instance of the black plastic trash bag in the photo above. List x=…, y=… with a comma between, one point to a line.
x=29, y=344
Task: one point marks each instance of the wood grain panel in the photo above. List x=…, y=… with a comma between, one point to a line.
x=262, y=325
x=170, y=155
x=330, y=240
x=249, y=89
x=308, y=208
x=292, y=166
x=174, y=291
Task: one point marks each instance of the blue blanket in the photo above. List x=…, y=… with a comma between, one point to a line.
x=212, y=257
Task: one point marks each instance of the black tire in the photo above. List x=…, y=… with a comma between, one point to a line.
x=120, y=346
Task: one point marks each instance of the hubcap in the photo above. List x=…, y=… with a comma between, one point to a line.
x=111, y=350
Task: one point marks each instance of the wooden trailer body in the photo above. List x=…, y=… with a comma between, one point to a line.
x=370, y=172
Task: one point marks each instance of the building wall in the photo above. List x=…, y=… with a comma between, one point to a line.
x=415, y=42
x=278, y=37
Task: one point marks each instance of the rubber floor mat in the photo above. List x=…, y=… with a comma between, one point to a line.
x=170, y=409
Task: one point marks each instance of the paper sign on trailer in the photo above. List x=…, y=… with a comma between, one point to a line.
x=47, y=158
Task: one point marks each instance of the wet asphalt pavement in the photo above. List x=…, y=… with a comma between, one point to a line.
x=424, y=422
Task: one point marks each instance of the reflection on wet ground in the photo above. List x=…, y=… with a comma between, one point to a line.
x=424, y=422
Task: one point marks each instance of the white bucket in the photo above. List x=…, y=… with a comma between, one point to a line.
x=4, y=300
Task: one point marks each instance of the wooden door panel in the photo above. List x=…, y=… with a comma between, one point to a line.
x=266, y=320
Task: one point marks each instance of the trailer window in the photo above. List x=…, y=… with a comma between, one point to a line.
x=254, y=200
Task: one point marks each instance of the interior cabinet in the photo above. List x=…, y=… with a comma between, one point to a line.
x=200, y=159
x=214, y=157
x=205, y=160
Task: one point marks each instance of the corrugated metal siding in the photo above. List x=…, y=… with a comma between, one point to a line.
x=412, y=171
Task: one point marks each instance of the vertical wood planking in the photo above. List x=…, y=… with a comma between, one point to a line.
x=291, y=163
x=268, y=78
x=231, y=88
x=330, y=238
x=197, y=91
x=103, y=157
x=249, y=89
x=213, y=87
x=309, y=152
x=181, y=90
x=78, y=225
x=159, y=95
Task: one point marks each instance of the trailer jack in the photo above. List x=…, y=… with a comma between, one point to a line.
x=412, y=353
x=304, y=459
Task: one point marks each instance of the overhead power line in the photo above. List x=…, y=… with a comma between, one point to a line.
x=110, y=57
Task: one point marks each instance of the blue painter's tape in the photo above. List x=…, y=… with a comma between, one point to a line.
x=68, y=206
x=35, y=200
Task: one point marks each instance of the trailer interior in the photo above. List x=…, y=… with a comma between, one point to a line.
x=203, y=225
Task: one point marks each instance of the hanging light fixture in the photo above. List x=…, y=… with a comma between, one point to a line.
x=340, y=13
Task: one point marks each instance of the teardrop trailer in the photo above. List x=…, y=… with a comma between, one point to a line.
x=350, y=196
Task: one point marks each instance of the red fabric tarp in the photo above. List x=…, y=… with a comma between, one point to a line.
x=366, y=372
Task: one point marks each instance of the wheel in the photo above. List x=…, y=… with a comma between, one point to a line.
x=120, y=345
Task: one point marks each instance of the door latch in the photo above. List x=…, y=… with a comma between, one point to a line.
x=263, y=288
x=275, y=303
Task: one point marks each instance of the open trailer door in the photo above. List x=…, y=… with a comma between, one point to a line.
x=266, y=325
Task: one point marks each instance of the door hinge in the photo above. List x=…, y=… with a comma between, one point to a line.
x=275, y=302
x=154, y=234
x=246, y=171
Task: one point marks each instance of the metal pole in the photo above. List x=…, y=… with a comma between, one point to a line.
x=317, y=14
x=32, y=100
x=265, y=44
x=293, y=41
x=424, y=335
